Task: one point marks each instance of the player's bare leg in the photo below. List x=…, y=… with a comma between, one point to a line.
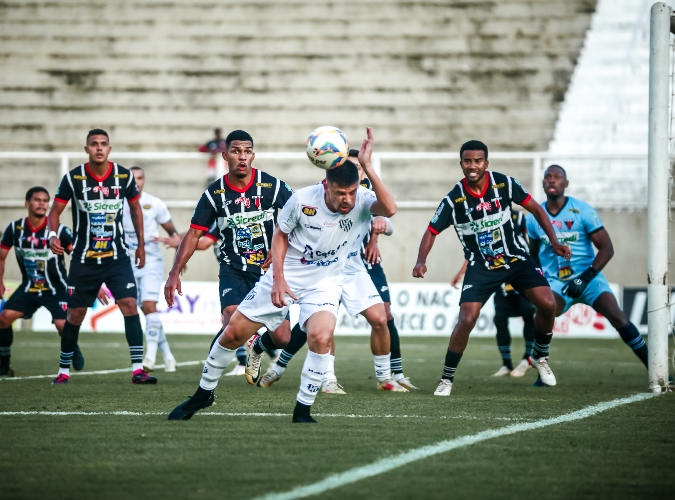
x=543, y=299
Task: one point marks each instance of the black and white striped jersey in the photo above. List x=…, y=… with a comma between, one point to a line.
x=484, y=222
x=97, y=206
x=42, y=270
x=368, y=185
x=245, y=218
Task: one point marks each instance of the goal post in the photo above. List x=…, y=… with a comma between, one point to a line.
x=658, y=198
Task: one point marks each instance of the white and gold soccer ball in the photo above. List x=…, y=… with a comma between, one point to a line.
x=327, y=147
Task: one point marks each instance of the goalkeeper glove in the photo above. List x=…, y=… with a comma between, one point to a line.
x=576, y=287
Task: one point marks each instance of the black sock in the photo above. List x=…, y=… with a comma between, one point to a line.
x=241, y=355
x=69, y=337
x=631, y=336
x=134, y=334
x=396, y=360
x=504, y=339
x=215, y=339
x=301, y=409
x=298, y=339
x=541, y=343
x=203, y=393
x=528, y=333
x=451, y=362
x=264, y=343
x=6, y=339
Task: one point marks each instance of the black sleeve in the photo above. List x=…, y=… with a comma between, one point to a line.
x=204, y=215
x=66, y=237
x=132, y=193
x=518, y=193
x=65, y=193
x=285, y=192
x=8, y=238
x=442, y=219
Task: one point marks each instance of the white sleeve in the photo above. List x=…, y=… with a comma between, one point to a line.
x=289, y=215
x=365, y=199
x=163, y=216
x=390, y=227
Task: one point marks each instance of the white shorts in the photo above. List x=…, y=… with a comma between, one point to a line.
x=359, y=292
x=149, y=281
x=257, y=305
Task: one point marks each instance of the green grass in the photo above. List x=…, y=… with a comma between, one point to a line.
x=621, y=453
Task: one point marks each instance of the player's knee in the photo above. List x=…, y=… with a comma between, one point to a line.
x=547, y=306
x=128, y=306
x=467, y=320
x=5, y=320
x=76, y=316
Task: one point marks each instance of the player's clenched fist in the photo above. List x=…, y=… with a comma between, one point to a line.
x=562, y=250
x=419, y=270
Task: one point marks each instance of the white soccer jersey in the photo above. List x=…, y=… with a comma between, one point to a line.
x=155, y=213
x=319, y=240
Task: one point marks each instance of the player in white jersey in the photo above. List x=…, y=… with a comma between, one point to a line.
x=316, y=230
x=149, y=279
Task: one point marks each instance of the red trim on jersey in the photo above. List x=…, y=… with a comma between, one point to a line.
x=433, y=231
x=529, y=197
x=238, y=190
x=99, y=179
x=35, y=230
x=4, y=247
x=466, y=188
x=209, y=235
x=60, y=200
x=135, y=197
x=201, y=228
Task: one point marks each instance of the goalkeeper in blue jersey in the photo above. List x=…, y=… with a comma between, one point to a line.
x=579, y=280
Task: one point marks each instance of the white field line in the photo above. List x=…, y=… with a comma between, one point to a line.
x=98, y=372
x=105, y=345
x=249, y=414
x=386, y=464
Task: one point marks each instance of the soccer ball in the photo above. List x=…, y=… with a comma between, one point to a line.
x=327, y=147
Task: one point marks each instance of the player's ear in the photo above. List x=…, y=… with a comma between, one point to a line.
x=224, y=154
x=487, y=164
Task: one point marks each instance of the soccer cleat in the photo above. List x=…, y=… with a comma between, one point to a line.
x=545, y=372
x=237, y=370
x=148, y=364
x=391, y=385
x=141, y=377
x=78, y=359
x=301, y=414
x=444, y=388
x=332, y=387
x=192, y=405
x=61, y=379
x=304, y=419
x=170, y=365
x=253, y=360
x=6, y=371
x=405, y=382
x=502, y=372
x=521, y=369
x=271, y=376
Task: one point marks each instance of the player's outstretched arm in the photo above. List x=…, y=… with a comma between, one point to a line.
x=460, y=274
x=385, y=204
x=538, y=212
x=3, y=257
x=169, y=228
x=279, y=288
x=186, y=248
x=426, y=244
x=54, y=221
x=136, y=213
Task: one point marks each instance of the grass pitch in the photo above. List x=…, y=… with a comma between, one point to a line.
x=621, y=453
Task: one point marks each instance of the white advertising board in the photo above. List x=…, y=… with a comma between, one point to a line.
x=419, y=309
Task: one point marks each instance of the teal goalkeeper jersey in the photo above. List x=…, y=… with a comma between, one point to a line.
x=573, y=226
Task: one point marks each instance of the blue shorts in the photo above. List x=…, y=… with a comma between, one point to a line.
x=595, y=288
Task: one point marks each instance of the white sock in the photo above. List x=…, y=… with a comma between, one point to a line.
x=136, y=366
x=330, y=371
x=313, y=373
x=152, y=329
x=218, y=359
x=383, y=367
x=398, y=376
x=164, y=345
x=65, y=371
x=279, y=369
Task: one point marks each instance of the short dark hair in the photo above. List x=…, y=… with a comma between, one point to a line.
x=344, y=176
x=558, y=166
x=473, y=146
x=238, y=135
x=33, y=190
x=353, y=153
x=97, y=131
x=136, y=167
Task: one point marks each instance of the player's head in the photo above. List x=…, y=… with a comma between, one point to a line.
x=555, y=182
x=217, y=133
x=341, y=186
x=98, y=146
x=473, y=157
x=139, y=176
x=354, y=158
x=37, y=201
x=239, y=153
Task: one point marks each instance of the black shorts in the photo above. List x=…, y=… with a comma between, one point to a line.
x=480, y=283
x=512, y=305
x=29, y=302
x=85, y=280
x=234, y=285
x=380, y=281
